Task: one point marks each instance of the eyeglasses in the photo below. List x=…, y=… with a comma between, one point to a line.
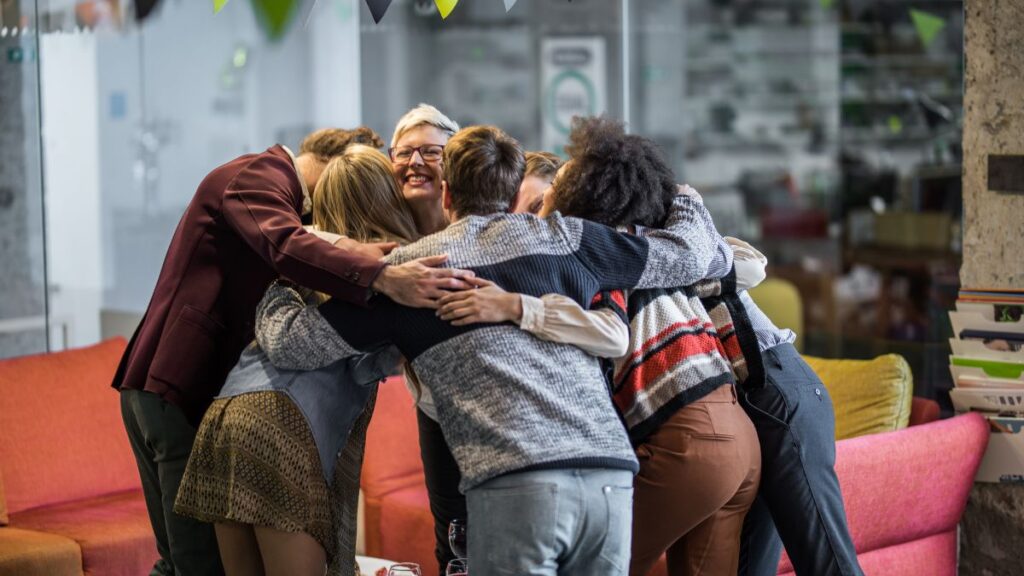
x=403, y=154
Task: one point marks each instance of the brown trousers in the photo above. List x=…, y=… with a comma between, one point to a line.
x=699, y=474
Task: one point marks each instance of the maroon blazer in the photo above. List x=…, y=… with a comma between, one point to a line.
x=240, y=232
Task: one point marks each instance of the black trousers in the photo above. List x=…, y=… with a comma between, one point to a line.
x=799, y=499
x=442, y=478
x=161, y=439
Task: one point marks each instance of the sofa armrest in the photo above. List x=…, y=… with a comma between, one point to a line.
x=910, y=484
x=923, y=411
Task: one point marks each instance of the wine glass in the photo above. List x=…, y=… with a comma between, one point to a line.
x=405, y=569
x=457, y=567
x=457, y=537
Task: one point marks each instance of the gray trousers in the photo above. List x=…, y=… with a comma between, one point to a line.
x=564, y=522
x=161, y=439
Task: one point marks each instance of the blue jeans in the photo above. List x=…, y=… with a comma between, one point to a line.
x=572, y=521
x=799, y=498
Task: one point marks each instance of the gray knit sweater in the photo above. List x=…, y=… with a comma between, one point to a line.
x=506, y=401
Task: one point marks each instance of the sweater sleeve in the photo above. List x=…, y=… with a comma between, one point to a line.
x=679, y=255
x=688, y=249
x=558, y=318
x=258, y=205
x=294, y=335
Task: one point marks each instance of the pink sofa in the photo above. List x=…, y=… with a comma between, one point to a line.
x=905, y=491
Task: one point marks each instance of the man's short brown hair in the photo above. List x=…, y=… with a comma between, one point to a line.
x=543, y=165
x=484, y=168
x=328, y=143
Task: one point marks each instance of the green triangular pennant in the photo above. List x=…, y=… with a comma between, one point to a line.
x=274, y=16
x=928, y=26
x=218, y=5
x=445, y=7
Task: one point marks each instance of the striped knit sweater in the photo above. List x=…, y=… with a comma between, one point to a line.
x=675, y=358
x=506, y=401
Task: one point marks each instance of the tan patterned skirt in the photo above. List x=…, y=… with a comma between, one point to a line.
x=254, y=461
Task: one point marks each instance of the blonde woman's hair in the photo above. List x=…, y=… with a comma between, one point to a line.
x=357, y=196
x=424, y=115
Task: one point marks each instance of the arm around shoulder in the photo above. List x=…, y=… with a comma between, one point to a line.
x=294, y=335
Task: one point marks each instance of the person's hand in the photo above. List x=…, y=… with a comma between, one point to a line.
x=687, y=190
x=487, y=303
x=419, y=283
x=374, y=250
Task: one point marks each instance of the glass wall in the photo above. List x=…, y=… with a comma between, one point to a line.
x=826, y=132
x=23, y=281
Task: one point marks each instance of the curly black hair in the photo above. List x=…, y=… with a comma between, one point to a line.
x=613, y=178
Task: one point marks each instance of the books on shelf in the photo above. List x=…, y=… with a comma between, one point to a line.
x=987, y=364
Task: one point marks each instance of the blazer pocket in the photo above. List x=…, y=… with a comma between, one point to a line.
x=188, y=352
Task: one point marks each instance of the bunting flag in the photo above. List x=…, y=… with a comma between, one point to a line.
x=445, y=7
x=274, y=16
x=509, y=4
x=377, y=9
x=144, y=8
x=218, y=5
x=928, y=26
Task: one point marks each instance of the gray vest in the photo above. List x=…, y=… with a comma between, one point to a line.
x=331, y=398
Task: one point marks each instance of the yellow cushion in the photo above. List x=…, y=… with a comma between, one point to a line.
x=781, y=303
x=31, y=553
x=869, y=396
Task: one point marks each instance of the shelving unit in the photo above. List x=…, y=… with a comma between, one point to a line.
x=892, y=72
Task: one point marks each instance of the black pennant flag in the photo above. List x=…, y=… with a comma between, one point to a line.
x=377, y=9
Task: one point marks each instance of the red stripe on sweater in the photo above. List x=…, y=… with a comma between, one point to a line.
x=656, y=340
x=656, y=365
x=731, y=346
x=619, y=298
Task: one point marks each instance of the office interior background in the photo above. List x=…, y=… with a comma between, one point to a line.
x=825, y=132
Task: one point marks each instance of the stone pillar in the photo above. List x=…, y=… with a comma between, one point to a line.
x=993, y=526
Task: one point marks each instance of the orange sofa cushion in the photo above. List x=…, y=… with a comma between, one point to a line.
x=63, y=435
x=29, y=553
x=403, y=528
x=112, y=531
x=392, y=458
x=3, y=501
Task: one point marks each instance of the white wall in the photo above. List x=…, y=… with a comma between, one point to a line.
x=72, y=188
x=334, y=51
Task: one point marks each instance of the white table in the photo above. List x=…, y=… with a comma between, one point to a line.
x=369, y=566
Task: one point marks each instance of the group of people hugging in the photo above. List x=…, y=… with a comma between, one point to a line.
x=594, y=386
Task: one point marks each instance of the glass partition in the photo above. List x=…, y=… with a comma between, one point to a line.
x=23, y=281
x=826, y=132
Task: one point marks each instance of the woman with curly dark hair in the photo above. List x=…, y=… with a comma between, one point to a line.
x=674, y=388
x=613, y=178
x=699, y=462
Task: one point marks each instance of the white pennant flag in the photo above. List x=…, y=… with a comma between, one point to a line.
x=509, y=4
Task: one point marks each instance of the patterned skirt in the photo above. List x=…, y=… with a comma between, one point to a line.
x=254, y=461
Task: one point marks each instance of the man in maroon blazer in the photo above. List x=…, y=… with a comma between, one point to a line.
x=242, y=230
